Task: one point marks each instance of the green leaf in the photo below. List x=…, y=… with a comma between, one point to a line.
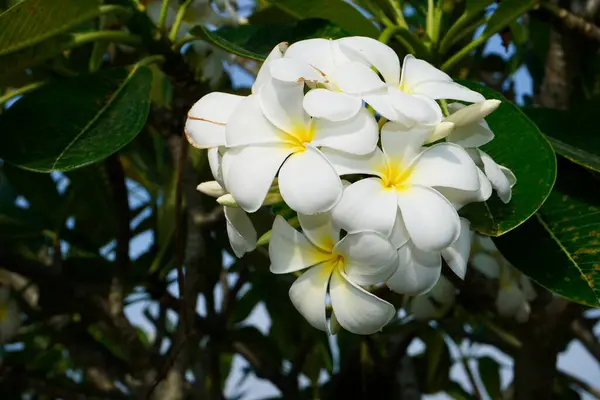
x=489, y=372
x=96, y=116
x=560, y=247
x=35, y=29
x=506, y=12
x=257, y=41
x=520, y=146
x=337, y=11
x=580, y=145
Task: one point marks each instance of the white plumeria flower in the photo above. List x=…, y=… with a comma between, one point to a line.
x=340, y=80
x=470, y=131
x=10, y=319
x=406, y=178
x=271, y=134
x=435, y=303
x=419, y=271
x=409, y=95
x=334, y=266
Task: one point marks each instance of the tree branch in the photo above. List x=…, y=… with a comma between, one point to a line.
x=587, y=338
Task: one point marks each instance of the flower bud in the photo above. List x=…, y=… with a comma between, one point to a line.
x=211, y=188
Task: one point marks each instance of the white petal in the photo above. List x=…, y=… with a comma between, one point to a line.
x=241, y=232
x=292, y=70
x=486, y=264
x=527, y=288
x=344, y=163
x=308, y=182
x=316, y=52
x=457, y=254
x=445, y=165
x=356, y=78
x=320, y=230
x=249, y=172
x=447, y=90
x=399, y=235
x=308, y=295
x=214, y=162
x=416, y=71
x=334, y=106
x=416, y=108
x=250, y=126
x=381, y=102
x=291, y=251
x=206, y=120
x=486, y=243
x=281, y=103
x=501, y=178
x=369, y=257
x=366, y=205
x=376, y=54
x=473, y=135
x=465, y=115
x=357, y=310
x=460, y=198
x=211, y=188
x=417, y=271
x=264, y=73
x=401, y=144
x=357, y=135
x=430, y=219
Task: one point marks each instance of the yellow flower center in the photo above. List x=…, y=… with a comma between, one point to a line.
x=335, y=263
x=300, y=135
x=394, y=175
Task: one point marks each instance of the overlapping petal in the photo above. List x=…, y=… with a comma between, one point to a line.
x=457, y=254
x=206, y=120
x=241, y=232
x=249, y=171
x=308, y=182
x=368, y=257
x=291, y=251
x=430, y=219
x=308, y=295
x=357, y=310
x=356, y=135
x=375, y=53
x=417, y=271
x=334, y=106
x=366, y=205
x=264, y=74
x=320, y=230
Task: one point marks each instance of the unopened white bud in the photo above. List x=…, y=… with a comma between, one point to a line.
x=227, y=200
x=440, y=131
x=211, y=188
x=473, y=113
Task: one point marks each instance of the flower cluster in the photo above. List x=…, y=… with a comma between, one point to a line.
x=515, y=290
x=322, y=109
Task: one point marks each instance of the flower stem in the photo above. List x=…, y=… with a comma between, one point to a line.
x=430, y=18
x=178, y=19
x=155, y=59
x=162, y=19
x=395, y=4
x=20, y=91
x=113, y=36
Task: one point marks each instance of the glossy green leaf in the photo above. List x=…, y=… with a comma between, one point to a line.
x=95, y=116
x=506, y=12
x=339, y=12
x=520, y=146
x=257, y=41
x=572, y=133
x=560, y=247
x=35, y=29
x=489, y=372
